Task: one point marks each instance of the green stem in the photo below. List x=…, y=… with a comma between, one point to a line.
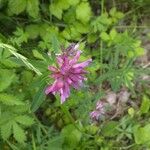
x=33, y=143
x=67, y=113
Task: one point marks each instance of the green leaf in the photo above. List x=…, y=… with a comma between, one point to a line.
x=33, y=31
x=83, y=12
x=25, y=120
x=71, y=136
x=113, y=34
x=56, y=11
x=37, y=54
x=139, y=51
x=38, y=98
x=8, y=99
x=145, y=106
x=73, y=2
x=112, y=11
x=18, y=133
x=81, y=28
x=109, y=129
x=53, y=143
x=6, y=78
x=141, y=134
x=104, y=36
x=16, y=6
x=20, y=37
x=19, y=56
x=6, y=130
x=33, y=8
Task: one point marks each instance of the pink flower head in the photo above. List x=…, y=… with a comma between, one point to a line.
x=95, y=115
x=99, y=111
x=69, y=73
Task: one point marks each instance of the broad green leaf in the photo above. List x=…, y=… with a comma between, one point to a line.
x=8, y=99
x=18, y=133
x=6, y=78
x=71, y=135
x=33, y=8
x=112, y=11
x=91, y=38
x=69, y=16
x=56, y=11
x=113, y=34
x=139, y=51
x=81, y=28
x=16, y=6
x=83, y=12
x=104, y=36
x=141, y=134
x=145, y=106
x=75, y=35
x=6, y=130
x=73, y=2
x=25, y=120
x=66, y=34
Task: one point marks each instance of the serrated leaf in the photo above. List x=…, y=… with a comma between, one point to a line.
x=16, y=6
x=6, y=78
x=25, y=120
x=83, y=12
x=8, y=99
x=55, y=43
x=18, y=133
x=56, y=11
x=33, y=8
x=113, y=34
x=6, y=130
x=73, y=2
x=104, y=36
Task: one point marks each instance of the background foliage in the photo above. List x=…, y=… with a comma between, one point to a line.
x=110, y=32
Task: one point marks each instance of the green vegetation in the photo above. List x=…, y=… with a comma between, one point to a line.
x=115, y=35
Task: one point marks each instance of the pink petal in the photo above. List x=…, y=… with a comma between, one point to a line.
x=59, y=60
x=75, y=85
x=54, y=87
x=75, y=59
x=65, y=92
x=52, y=68
x=78, y=70
x=83, y=64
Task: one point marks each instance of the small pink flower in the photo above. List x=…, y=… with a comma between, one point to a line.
x=95, y=115
x=99, y=111
x=68, y=74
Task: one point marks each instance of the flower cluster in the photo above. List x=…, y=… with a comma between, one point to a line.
x=99, y=111
x=69, y=72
